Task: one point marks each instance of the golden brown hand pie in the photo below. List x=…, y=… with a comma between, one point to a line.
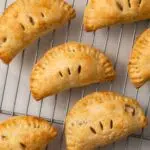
x=102, y=13
x=25, y=133
x=102, y=118
x=67, y=66
x=26, y=20
x=139, y=63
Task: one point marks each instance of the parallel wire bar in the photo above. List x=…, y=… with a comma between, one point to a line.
x=117, y=54
x=68, y=28
x=124, y=89
x=36, y=57
x=51, y=45
x=55, y=101
x=105, y=47
x=6, y=72
x=20, y=72
x=52, y=42
x=70, y=91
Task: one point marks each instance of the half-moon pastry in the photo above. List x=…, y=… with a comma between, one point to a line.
x=139, y=63
x=25, y=133
x=67, y=66
x=26, y=20
x=102, y=118
x=103, y=13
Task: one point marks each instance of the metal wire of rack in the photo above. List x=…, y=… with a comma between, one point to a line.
x=116, y=41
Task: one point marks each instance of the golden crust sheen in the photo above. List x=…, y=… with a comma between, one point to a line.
x=102, y=118
x=26, y=20
x=103, y=13
x=139, y=63
x=67, y=66
x=25, y=133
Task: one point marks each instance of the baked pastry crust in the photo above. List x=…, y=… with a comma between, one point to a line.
x=100, y=119
x=67, y=66
x=103, y=13
x=26, y=20
x=25, y=133
x=139, y=63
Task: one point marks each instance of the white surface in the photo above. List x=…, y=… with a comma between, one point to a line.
x=116, y=42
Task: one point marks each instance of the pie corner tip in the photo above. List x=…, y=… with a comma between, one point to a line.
x=145, y=122
x=88, y=28
x=35, y=93
x=36, y=96
x=114, y=74
x=73, y=15
x=72, y=10
x=136, y=83
x=5, y=59
x=54, y=132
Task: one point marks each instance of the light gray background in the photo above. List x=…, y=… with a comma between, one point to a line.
x=115, y=41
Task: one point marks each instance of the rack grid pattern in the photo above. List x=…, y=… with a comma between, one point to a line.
x=115, y=41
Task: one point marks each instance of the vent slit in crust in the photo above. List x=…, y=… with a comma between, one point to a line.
x=42, y=14
x=60, y=73
x=69, y=72
x=31, y=20
x=23, y=146
x=93, y=130
x=111, y=124
x=119, y=5
x=3, y=137
x=129, y=3
x=140, y=1
x=79, y=69
x=22, y=26
x=101, y=125
x=4, y=39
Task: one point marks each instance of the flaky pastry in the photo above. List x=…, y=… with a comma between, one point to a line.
x=25, y=133
x=26, y=20
x=103, y=13
x=67, y=66
x=139, y=63
x=102, y=118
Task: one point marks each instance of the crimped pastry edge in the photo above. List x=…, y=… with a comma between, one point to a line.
x=137, y=79
x=106, y=63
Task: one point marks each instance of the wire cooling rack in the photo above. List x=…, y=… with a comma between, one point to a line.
x=116, y=42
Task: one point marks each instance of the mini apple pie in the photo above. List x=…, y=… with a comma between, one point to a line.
x=25, y=133
x=102, y=118
x=26, y=20
x=67, y=66
x=102, y=13
x=139, y=63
